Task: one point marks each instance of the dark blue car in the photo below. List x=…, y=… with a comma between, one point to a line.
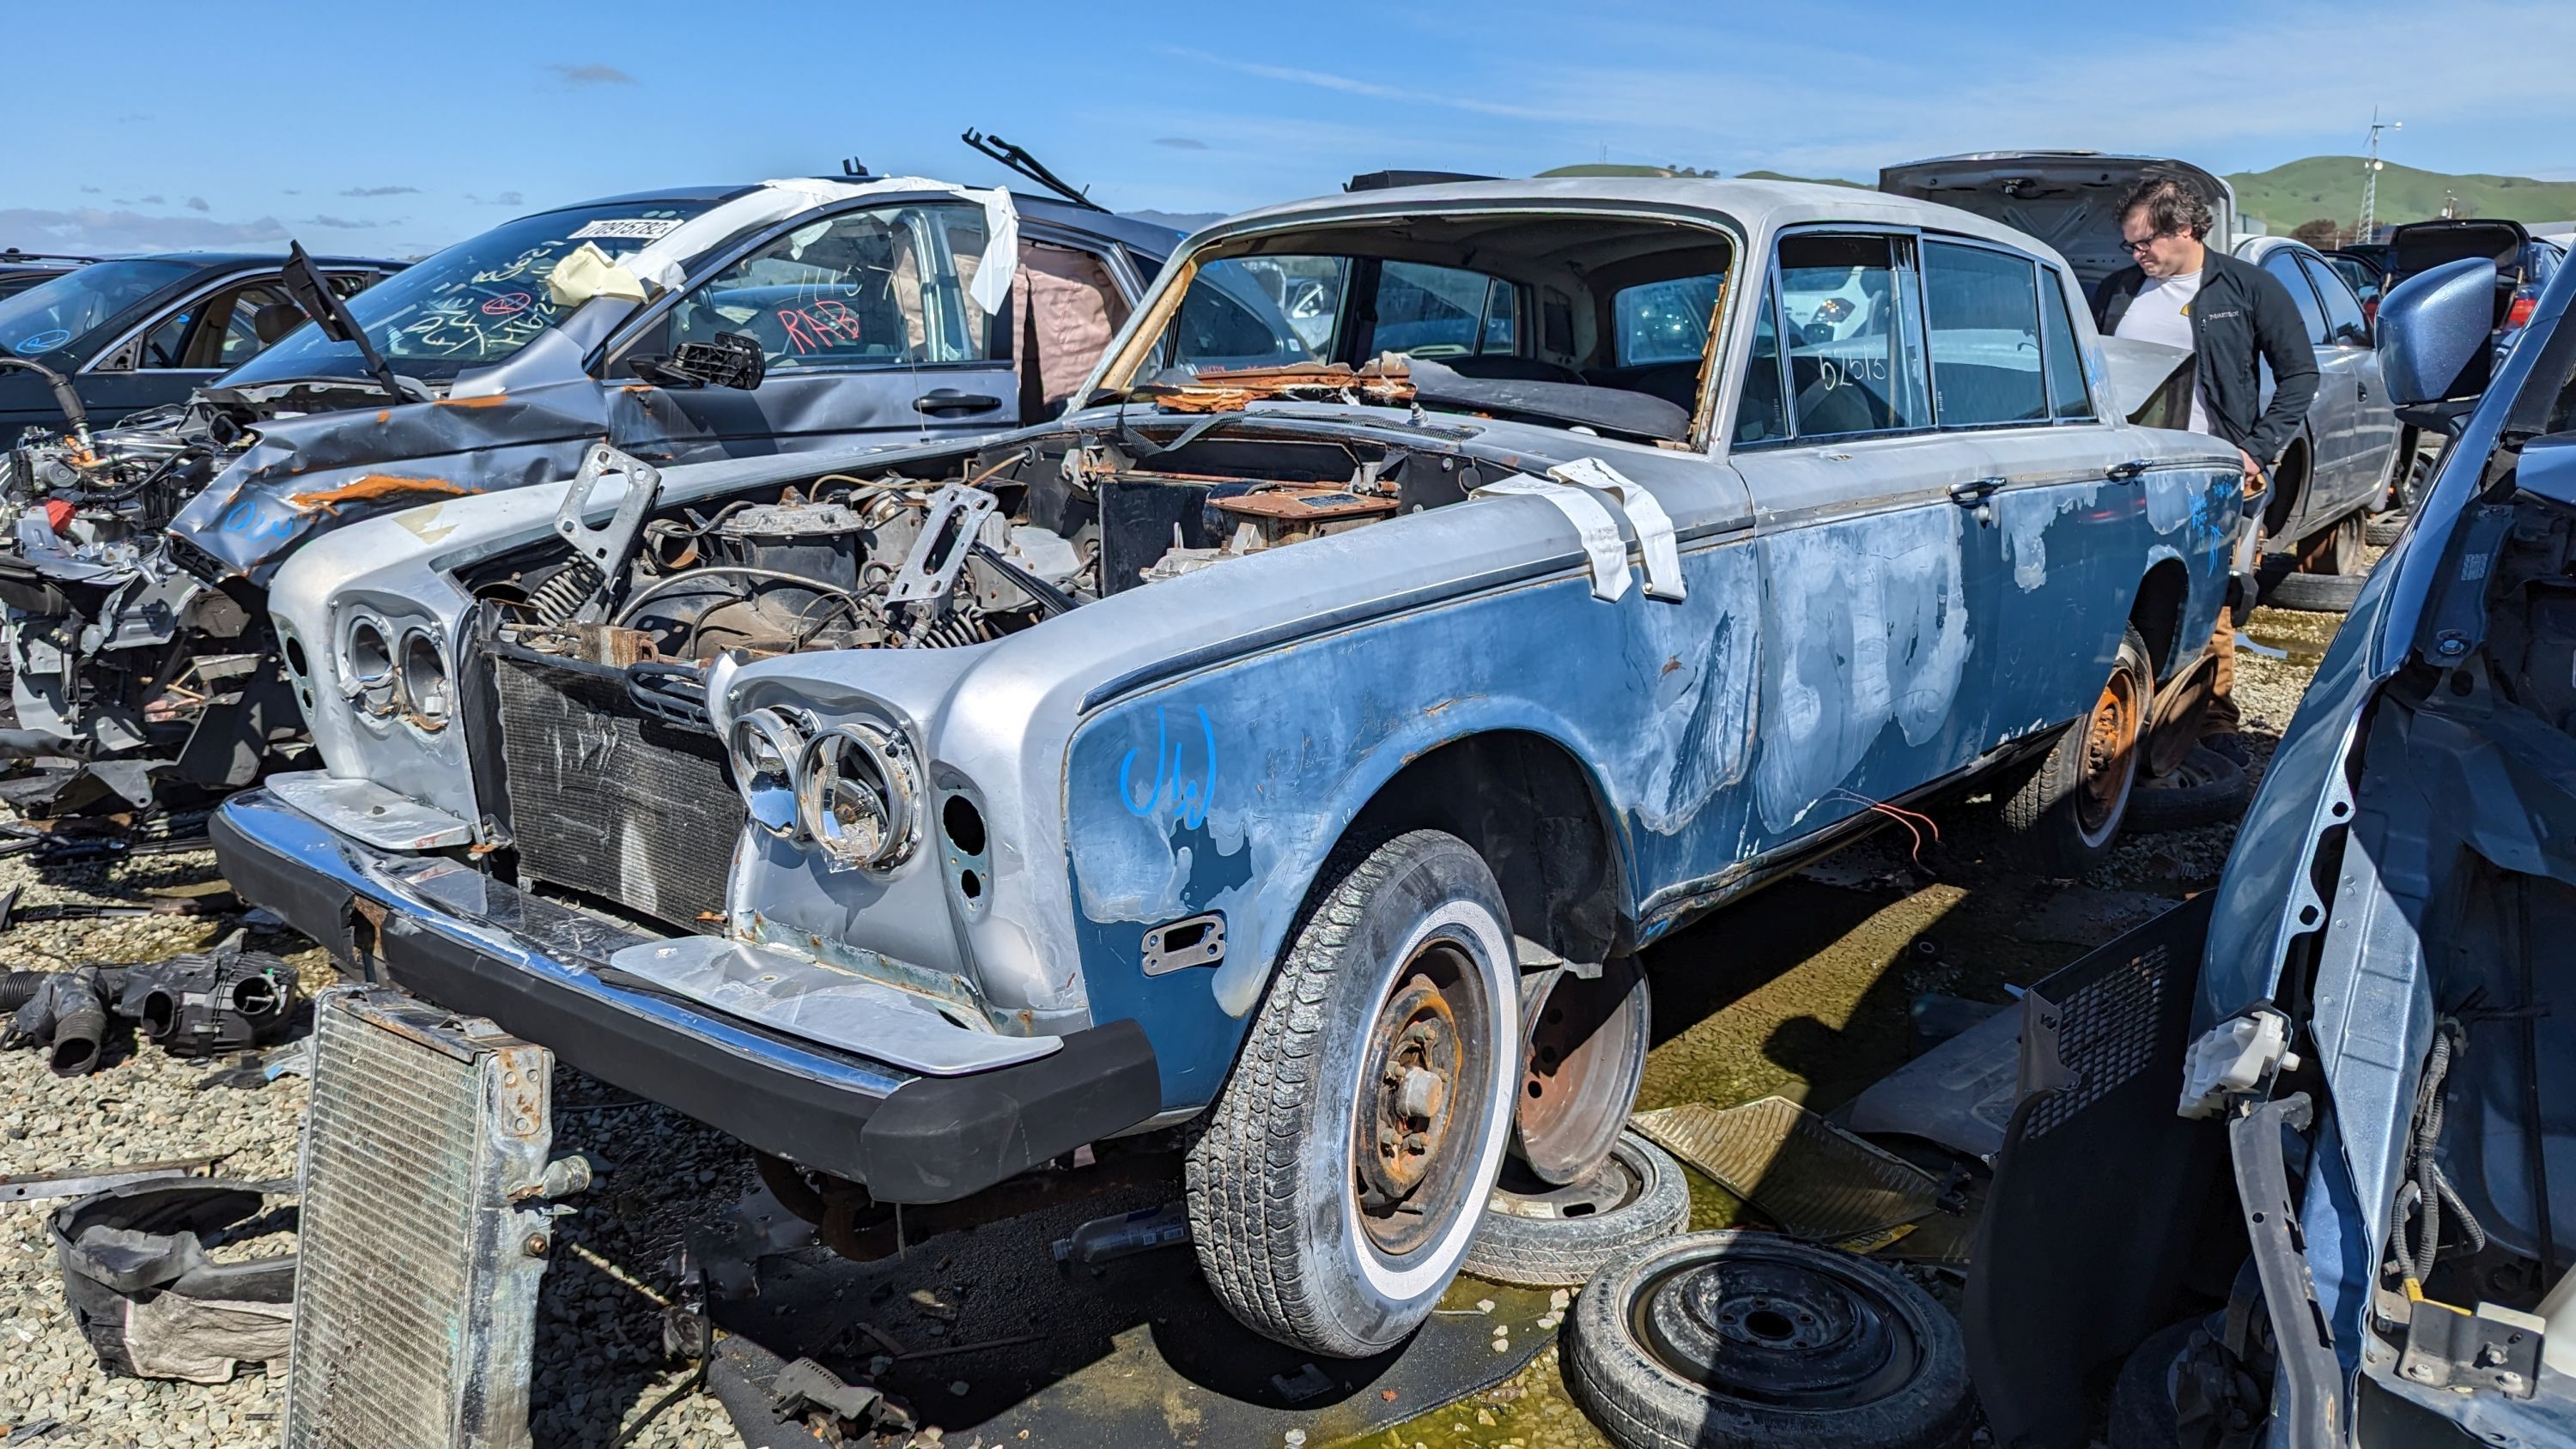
x=139, y=332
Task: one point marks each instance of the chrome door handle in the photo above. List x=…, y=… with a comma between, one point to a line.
x=1974, y=492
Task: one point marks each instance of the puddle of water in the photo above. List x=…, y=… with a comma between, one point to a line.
x=2304, y=635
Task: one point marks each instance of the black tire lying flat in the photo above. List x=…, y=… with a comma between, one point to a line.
x=2315, y=593
x=2064, y=816
x=2206, y=788
x=1559, y=1237
x=1720, y=1340
x=1334, y=1188
x=2382, y=531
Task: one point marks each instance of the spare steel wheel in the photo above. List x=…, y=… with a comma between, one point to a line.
x=1586, y=1049
x=1544, y=1236
x=1723, y=1339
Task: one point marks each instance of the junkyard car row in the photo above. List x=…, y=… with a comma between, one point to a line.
x=925, y=679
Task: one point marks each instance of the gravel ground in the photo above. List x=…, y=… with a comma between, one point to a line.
x=600, y=1364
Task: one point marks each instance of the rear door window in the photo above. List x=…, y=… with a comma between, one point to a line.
x=1851, y=318
x=2069, y=399
x=1983, y=308
x=1428, y=311
x=2343, y=309
x=1761, y=410
x=2284, y=264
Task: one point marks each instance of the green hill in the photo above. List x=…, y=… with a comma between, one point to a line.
x=2330, y=187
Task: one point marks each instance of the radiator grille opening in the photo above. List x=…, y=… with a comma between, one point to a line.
x=609, y=802
x=415, y=1290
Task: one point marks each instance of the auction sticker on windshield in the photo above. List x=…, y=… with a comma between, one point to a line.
x=637, y=228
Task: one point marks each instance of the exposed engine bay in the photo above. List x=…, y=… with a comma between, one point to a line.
x=1006, y=541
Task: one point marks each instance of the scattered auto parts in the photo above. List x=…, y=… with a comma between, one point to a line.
x=1544, y=1235
x=146, y=1295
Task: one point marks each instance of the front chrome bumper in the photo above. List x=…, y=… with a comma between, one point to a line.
x=478, y=946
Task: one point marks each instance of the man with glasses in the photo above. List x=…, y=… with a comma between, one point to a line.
x=2233, y=316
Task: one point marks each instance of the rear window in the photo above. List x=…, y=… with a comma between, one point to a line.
x=1986, y=358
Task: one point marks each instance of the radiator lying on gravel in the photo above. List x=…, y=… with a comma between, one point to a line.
x=424, y=1229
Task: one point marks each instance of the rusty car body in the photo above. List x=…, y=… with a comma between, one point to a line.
x=1300, y=735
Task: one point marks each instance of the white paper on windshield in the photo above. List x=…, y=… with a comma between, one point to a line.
x=1645, y=512
x=1592, y=524
x=664, y=261
x=628, y=228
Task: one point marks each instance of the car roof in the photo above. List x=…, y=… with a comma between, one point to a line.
x=1144, y=236
x=214, y=261
x=1758, y=206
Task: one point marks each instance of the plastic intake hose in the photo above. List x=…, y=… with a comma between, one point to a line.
x=80, y=1025
x=17, y=988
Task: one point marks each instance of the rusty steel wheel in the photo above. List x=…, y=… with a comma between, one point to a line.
x=2111, y=750
x=2065, y=813
x=1587, y=1054
x=1344, y=1166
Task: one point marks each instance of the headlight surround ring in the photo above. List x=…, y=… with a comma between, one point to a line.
x=764, y=749
x=858, y=797
x=428, y=690
x=370, y=664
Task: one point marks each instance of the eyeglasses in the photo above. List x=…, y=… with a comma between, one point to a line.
x=2135, y=248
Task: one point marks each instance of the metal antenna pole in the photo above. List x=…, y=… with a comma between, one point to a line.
x=2370, y=176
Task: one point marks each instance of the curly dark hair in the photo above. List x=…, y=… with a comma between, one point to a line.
x=2170, y=206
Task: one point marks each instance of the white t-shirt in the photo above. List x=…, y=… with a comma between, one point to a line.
x=2161, y=312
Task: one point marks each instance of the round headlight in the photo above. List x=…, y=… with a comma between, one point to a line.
x=369, y=666
x=763, y=747
x=855, y=794
x=425, y=686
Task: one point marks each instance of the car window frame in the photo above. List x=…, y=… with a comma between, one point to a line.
x=2312, y=264
x=2322, y=336
x=1788, y=397
x=2039, y=335
x=111, y=360
x=652, y=320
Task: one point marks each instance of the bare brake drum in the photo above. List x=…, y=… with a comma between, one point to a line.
x=1587, y=1054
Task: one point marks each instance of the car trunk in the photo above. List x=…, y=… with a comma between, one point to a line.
x=2068, y=199
x=2422, y=246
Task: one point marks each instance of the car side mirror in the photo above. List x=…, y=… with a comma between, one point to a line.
x=730, y=359
x=2434, y=328
x=2547, y=469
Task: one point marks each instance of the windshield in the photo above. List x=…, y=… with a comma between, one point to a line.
x=475, y=303
x=50, y=317
x=1569, y=319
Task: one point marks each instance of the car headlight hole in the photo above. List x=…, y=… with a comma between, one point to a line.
x=855, y=795
x=426, y=689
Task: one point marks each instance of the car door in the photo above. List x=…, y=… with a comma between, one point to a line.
x=1875, y=665
x=2050, y=534
x=867, y=327
x=2332, y=416
x=2374, y=422
x=172, y=351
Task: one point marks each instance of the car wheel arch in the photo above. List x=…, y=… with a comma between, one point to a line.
x=2290, y=480
x=2157, y=610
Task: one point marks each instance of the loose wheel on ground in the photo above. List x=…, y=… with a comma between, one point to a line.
x=2382, y=531
x=2205, y=788
x=1541, y=1236
x=2065, y=814
x=1717, y=1340
x=2336, y=549
x=1344, y=1167
x=2315, y=593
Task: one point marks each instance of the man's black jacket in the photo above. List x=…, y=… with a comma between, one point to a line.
x=2242, y=312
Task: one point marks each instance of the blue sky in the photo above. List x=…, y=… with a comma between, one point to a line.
x=397, y=129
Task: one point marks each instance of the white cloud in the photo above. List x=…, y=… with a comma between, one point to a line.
x=89, y=229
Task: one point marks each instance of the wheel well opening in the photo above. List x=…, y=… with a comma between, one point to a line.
x=2157, y=615
x=1524, y=804
x=2289, y=482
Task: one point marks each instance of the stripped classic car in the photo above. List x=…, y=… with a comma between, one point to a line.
x=688, y=323
x=1302, y=736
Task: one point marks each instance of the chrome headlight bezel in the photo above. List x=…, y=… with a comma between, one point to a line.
x=423, y=679
x=858, y=797
x=764, y=750
x=369, y=662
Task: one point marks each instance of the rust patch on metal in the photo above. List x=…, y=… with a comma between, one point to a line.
x=493, y=400
x=384, y=415
x=375, y=488
x=1387, y=382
